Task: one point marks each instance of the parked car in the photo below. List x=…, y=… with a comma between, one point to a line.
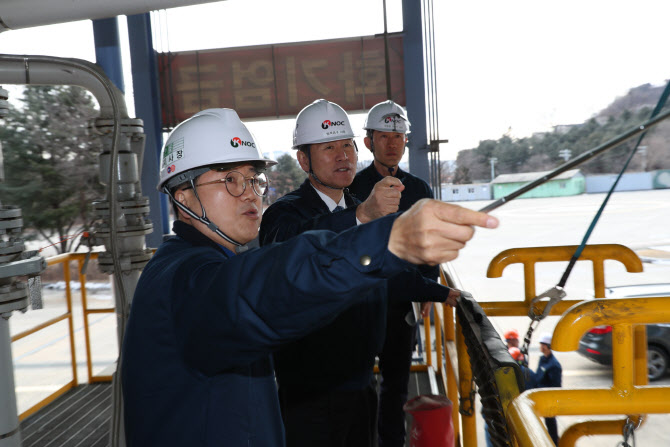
x=596, y=344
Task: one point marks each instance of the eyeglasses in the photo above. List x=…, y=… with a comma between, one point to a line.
x=236, y=183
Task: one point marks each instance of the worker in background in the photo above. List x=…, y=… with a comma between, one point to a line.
x=512, y=341
x=206, y=314
x=387, y=128
x=548, y=374
x=517, y=355
x=326, y=386
x=512, y=338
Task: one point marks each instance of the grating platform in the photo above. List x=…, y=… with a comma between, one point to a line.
x=79, y=418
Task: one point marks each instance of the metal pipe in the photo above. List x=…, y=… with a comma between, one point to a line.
x=51, y=70
x=578, y=161
x=17, y=14
x=46, y=70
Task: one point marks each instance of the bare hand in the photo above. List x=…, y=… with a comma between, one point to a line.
x=432, y=232
x=425, y=308
x=452, y=299
x=384, y=199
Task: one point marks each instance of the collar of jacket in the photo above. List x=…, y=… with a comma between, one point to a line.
x=307, y=190
x=371, y=171
x=191, y=235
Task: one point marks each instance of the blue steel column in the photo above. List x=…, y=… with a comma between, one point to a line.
x=147, y=107
x=415, y=89
x=108, y=49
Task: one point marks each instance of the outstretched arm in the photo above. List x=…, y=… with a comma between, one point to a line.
x=432, y=232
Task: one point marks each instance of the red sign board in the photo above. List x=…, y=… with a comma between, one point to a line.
x=279, y=80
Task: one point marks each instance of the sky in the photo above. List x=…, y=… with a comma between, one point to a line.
x=503, y=67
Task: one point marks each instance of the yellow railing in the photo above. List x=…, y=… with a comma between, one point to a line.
x=629, y=393
x=64, y=260
x=525, y=424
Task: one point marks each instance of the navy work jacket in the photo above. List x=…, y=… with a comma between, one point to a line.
x=344, y=350
x=415, y=190
x=339, y=356
x=196, y=362
x=549, y=372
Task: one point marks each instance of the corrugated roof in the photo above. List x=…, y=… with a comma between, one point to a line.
x=526, y=177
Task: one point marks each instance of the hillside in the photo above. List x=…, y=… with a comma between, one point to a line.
x=545, y=151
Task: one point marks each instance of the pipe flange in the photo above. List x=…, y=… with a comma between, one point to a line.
x=9, y=212
x=105, y=126
x=14, y=297
x=4, y=104
x=129, y=262
x=25, y=267
x=11, y=248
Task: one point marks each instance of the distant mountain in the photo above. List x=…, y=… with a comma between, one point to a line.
x=645, y=95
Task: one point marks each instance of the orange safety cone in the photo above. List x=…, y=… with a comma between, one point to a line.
x=431, y=421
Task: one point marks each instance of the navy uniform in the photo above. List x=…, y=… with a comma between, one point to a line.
x=197, y=367
x=326, y=377
x=548, y=375
x=396, y=356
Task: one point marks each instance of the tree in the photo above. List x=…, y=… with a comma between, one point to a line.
x=284, y=177
x=51, y=163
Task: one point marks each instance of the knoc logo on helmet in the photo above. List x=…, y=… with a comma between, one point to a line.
x=237, y=142
x=328, y=123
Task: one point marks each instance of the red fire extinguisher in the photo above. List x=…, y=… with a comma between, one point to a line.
x=431, y=421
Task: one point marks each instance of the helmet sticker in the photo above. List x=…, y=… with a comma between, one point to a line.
x=173, y=152
x=393, y=119
x=237, y=142
x=328, y=123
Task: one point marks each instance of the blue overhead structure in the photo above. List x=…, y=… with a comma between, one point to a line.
x=415, y=88
x=148, y=108
x=421, y=90
x=108, y=49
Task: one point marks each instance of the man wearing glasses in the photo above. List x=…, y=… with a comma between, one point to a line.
x=196, y=364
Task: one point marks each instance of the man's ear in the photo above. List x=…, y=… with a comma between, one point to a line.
x=180, y=196
x=368, y=143
x=303, y=161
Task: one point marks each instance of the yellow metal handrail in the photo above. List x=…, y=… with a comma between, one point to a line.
x=528, y=257
x=73, y=358
x=624, y=397
x=65, y=259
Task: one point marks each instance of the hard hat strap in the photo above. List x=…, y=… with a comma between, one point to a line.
x=203, y=219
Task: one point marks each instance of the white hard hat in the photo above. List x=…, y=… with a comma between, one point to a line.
x=545, y=338
x=210, y=137
x=387, y=116
x=320, y=122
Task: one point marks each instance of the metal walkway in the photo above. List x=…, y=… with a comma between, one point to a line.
x=79, y=418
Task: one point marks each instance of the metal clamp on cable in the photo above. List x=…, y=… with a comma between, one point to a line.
x=555, y=294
